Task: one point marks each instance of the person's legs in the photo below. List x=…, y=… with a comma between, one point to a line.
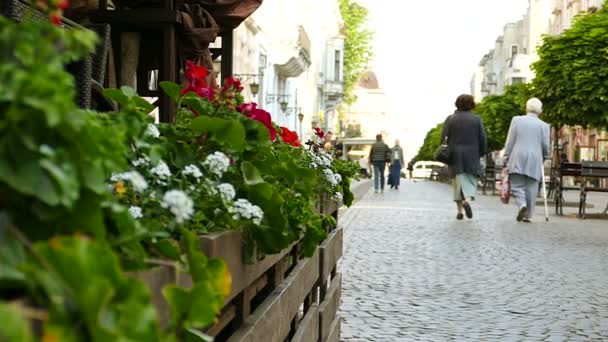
x=376, y=176
x=519, y=191
x=397, y=179
x=382, y=167
x=458, y=198
x=531, y=194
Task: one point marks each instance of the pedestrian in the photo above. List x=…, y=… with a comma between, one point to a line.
x=378, y=156
x=410, y=168
x=394, y=174
x=526, y=149
x=467, y=144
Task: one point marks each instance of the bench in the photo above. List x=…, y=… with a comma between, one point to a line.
x=591, y=170
x=565, y=170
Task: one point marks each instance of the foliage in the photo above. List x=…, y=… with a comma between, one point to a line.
x=357, y=46
x=430, y=145
x=86, y=196
x=571, y=72
x=55, y=160
x=496, y=112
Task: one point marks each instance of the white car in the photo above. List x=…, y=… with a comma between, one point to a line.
x=423, y=169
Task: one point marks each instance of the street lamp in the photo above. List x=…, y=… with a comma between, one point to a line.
x=254, y=87
x=283, y=104
x=301, y=117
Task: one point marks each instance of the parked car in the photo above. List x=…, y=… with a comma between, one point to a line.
x=424, y=169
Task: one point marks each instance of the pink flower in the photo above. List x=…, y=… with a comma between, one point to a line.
x=232, y=83
x=252, y=111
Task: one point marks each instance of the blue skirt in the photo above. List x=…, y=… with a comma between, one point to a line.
x=394, y=176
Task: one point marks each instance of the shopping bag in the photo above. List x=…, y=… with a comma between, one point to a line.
x=505, y=187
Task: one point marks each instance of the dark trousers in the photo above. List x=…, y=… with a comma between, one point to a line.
x=379, y=168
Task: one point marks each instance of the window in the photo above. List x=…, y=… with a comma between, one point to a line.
x=337, y=65
x=514, y=50
x=419, y=166
x=518, y=80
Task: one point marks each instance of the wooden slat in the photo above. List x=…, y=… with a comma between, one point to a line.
x=227, y=315
x=156, y=278
x=328, y=309
x=271, y=322
x=309, y=327
x=330, y=252
x=334, y=331
x=228, y=246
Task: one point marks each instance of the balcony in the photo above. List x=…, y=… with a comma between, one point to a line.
x=300, y=60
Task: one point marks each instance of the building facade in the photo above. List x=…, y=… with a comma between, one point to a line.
x=293, y=52
x=515, y=51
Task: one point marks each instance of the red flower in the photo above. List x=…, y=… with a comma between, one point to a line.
x=290, y=137
x=232, y=83
x=252, y=111
x=196, y=74
x=319, y=133
x=55, y=18
x=197, y=83
x=204, y=92
x=63, y=4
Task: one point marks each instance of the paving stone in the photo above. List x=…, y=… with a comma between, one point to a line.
x=411, y=272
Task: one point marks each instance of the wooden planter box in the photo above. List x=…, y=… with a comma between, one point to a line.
x=279, y=298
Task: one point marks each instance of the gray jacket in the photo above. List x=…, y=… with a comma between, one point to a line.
x=527, y=145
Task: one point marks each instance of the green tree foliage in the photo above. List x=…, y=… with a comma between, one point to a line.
x=431, y=143
x=496, y=112
x=357, y=47
x=571, y=72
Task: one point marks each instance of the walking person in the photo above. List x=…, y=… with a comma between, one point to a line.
x=526, y=149
x=394, y=174
x=467, y=143
x=378, y=158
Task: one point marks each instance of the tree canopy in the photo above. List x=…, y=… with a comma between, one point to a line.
x=572, y=71
x=431, y=143
x=496, y=112
x=357, y=46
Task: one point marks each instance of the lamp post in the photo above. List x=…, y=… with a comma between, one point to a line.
x=301, y=117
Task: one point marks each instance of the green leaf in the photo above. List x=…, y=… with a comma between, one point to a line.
x=14, y=326
x=172, y=90
x=128, y=91
x=226, y=132
x=251, y=175
x=117, y=96
x=143, y=105
x=169, y=248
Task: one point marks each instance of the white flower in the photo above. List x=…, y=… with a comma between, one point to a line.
x=135, y=212
x=338, y=196
x=338, y=178
x=227, y=191
x=141, y=161
x=193, y=170
x=179, y=204
x=243, y=209
x=161, y=171
x=135, y=178
x=331, y=178
x=152, y=131
x=217, y=163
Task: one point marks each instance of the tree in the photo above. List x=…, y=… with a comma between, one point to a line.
x=357, y=46
x=431, y=143
x=572, y=71
x=496, y=112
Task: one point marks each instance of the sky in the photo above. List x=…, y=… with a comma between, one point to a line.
x=426, y=53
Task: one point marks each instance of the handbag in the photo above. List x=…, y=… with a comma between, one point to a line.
x=442, y=154
x=505, y=187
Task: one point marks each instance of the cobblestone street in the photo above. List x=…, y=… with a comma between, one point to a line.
x=412, y=272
